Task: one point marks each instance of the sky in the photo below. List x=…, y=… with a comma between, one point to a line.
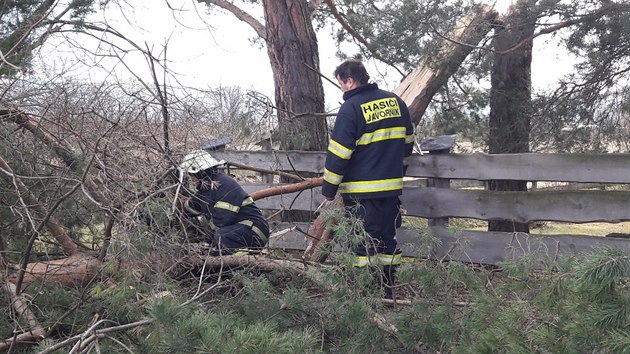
x=210, y=50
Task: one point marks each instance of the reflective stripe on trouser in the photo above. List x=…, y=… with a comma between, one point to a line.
x=378, y=259
x=254, y=228
x=241, y=235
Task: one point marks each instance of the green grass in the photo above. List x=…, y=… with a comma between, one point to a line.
x=544, y=228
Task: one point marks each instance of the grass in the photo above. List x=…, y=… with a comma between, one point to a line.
x=544, y=228
x=593, y=229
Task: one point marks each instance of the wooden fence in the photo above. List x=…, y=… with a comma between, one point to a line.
x=437, y=200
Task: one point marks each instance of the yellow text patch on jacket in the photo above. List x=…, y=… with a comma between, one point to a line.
x=384, y=108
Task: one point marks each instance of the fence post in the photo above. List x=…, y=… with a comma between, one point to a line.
x=265, y=145
x=437, y=146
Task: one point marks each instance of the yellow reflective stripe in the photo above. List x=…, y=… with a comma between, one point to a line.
x=379, y=185
x=407, y=160
x=247, y=201
x=332, y=177
x=362, y=261
x=382, y=134
x=389, y=259
x=241, y=252
x=190, y=209
x=255, y=229
x=246, y=223
x=409, y=139
x=339, y=150
x=227, y=206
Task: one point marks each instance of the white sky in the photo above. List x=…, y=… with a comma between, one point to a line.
x=211, y=50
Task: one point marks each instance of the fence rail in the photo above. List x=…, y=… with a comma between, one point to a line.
x=572, y=206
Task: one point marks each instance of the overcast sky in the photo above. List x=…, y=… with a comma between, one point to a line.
x=211, y=50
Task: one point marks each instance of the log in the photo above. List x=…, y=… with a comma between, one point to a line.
x=75, y=270
x=290, y=188
x=418, y=88
x=35, y=331
x=258, y=262
x=318, y=233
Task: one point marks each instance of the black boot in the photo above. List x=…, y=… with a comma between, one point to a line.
x=389, y=277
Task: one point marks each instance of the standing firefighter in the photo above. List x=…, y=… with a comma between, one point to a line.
x=238, y=224
x=368, y=155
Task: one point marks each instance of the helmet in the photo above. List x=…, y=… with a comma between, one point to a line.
x=199, y=160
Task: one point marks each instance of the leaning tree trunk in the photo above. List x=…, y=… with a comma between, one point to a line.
x=418, y=87
x=294, y=56
x=510, y=98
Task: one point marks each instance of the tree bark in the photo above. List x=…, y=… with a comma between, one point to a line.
x=75, y=270
x=294, y=56
x=295, y=187
x=318, y=233
x=510, y=98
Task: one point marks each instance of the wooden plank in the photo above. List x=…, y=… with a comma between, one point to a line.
x=587, y=168
x=567, y=206
x=307, y=161
x=473, y=246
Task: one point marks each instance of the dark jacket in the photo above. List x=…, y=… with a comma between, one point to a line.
x=224, y=202
x=370, y=146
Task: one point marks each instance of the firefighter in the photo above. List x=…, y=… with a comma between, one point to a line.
x=368, y=154
x=239, y=226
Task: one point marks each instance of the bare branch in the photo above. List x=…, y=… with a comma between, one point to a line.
x=63, y=151
x=313, y=5
x=263, y=170
x=162, y=97
x=603, y=11
x=260, y=29
x=30, y=202
x=20, y=305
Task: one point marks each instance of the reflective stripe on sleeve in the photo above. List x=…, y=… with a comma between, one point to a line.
x=227, y=206
x=410, y=139
x=379, y=185
x=383, y=134
x=332, y=177
x=339, y=150
x=247, y=201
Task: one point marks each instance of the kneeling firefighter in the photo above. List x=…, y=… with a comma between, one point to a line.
x=238, y=224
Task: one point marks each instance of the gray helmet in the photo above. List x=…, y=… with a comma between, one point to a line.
x=199, y=160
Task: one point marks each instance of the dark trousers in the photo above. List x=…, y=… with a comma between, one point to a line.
x=381, y=218
x=233, y=237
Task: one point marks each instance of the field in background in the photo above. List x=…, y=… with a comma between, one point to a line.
x=542, y=228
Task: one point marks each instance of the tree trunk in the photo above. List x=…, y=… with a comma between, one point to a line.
x=294, y=57
x=510, y=99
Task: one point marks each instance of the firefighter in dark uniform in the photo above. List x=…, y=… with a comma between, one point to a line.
x=239, y=226
x=368, y=155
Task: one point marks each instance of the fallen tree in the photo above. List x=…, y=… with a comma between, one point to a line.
x=79, y=267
